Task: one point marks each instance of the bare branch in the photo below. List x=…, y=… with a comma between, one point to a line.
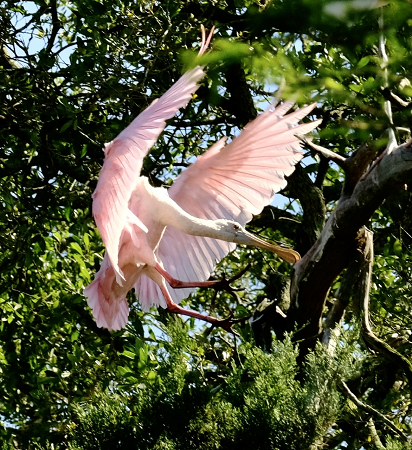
x=328, y=154
x=392, y=142
x=56, y=26
x=376, y=440
x=354, y=166
x=390, y=96
x=372, y=411
x=6, y=55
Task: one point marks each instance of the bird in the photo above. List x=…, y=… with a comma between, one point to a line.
x=164, y=243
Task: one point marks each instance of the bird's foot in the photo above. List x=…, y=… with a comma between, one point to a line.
x=225, y=284
x=228, y=323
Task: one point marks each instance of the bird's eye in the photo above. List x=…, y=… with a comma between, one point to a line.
x=236, y=227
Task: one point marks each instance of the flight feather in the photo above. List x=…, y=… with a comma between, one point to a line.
x=123, y=163
x=234, y=182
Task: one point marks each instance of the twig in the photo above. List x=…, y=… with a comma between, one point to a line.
x=390, y=96
x=342, y=298
x=373, y=411
x=392, y=143
x=354, y=166
x=328, y=154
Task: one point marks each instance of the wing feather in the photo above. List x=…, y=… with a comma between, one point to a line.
x=231, y=182
x=123, y=162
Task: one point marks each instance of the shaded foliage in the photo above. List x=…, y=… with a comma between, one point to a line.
x=259, y=403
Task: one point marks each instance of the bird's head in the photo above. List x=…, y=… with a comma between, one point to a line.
x=234, y=232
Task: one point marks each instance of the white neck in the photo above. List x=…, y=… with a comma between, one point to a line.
x=171, y=214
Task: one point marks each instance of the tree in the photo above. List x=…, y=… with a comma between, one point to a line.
x=73, y=75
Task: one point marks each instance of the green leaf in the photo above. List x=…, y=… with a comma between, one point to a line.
x=143, y=355
x=333, y=84
x=363, y=62
x=355, y=87
x=151, y=376
x=67, y=125
x=67, y=212
x=124, y=371
x=397, y=248
x=75, y=246
x=74, y=336
x=86, y=240
x=128, y=354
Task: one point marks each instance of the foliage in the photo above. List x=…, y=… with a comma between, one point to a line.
x=259, y=403
x=72, y=75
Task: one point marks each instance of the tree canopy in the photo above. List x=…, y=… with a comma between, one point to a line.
x=336, y=373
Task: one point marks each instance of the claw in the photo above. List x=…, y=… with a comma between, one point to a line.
x=227, y=324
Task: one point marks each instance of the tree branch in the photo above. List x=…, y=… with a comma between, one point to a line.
x=389, y=95
x=343, y=296
x=240, y=103
x=5, y=55
x=56, y=26
x=361, y=303
x=376, y=440
x=313, y=204
x=338, y=242
x=354, y=166
x=328, y=154
x=372, y=411
x=269, y=314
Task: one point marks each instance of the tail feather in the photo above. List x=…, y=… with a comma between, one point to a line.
x=109, y=312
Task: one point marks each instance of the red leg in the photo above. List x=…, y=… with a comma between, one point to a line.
x=178, y=284
x=172, y=307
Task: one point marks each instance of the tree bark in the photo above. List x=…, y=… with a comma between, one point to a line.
x=337, y=245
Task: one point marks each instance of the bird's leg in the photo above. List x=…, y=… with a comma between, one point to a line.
x=173, y=308
x=217, y=285
x=178, y=284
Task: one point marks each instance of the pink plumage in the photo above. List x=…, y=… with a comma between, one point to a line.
x=123, y=162
x=151, y=234
x=235, y=182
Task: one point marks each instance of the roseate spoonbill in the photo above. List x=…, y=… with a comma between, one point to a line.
x=153, y=235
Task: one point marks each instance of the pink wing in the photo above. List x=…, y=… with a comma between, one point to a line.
x=231, y=182
x=123, y=162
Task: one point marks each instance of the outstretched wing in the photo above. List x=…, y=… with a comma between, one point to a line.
x=234, y=182
x=123, y=162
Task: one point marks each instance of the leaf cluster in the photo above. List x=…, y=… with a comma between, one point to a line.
x=258, y=402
